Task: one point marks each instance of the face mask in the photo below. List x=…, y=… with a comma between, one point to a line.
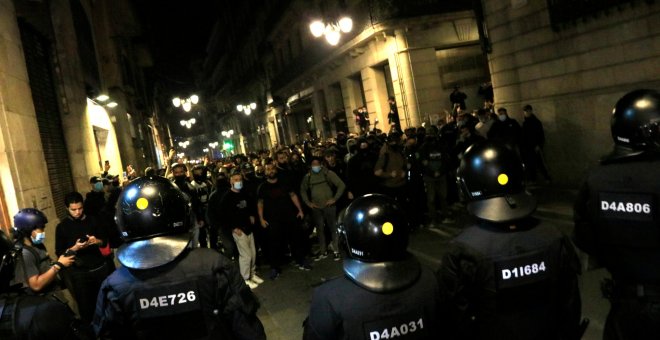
x=316, y=169
x=39, y=239
x=501, y=118
x=98, y=186
x=199, y=178
x=238, y=185
x=179, y=178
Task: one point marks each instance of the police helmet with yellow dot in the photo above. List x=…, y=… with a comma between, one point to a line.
x=153, y=217
x=490, y=178
x=374, y=233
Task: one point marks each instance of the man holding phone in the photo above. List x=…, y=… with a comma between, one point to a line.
x=81, y=236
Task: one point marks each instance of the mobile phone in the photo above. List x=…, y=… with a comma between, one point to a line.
x=83, y=239
x=124, y=174
x=69, y=252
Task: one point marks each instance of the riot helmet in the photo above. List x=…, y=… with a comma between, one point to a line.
x=153, y=217
x=490, y=178
x=636, y=121
x=374, y=233
x=27, y=220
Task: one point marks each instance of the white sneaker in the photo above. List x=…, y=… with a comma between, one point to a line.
x=256, y=279
x=251, y=284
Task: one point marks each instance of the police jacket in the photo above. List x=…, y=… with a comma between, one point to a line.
x=200, y=295
x=343, y=310
x=617, y=219
x=510, y=284
x=35, y=317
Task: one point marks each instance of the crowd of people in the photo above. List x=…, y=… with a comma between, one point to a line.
x=359, y=196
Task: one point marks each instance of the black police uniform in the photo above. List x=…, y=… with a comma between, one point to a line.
x=164, y=290
x=201, y=290
x=385, y=292
x=617, y=219
x=506, y=276
x=511, y=284
x=617, y=222
x=341, y=309
x=36, y=317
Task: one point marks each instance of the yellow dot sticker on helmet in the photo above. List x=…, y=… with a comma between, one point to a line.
x=503, y=179
x=387, y=228
x=142, y=203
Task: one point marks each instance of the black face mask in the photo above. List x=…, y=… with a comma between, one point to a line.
x=181, y=178
x=199, y=178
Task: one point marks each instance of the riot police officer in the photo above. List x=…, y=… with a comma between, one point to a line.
x=24, y=316
x=164, y=289
x=385, y=292
x=617, y=220
x=507, y=275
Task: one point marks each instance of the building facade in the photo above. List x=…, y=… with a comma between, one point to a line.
x=571, y=60
x=56, y=58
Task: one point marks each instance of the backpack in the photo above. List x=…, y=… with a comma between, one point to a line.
x=325, y=178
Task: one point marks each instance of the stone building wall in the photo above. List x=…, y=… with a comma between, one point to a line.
x=23, y=173
x=572, y=77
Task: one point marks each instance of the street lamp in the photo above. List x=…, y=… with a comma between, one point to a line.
x=185, y=103
x=213, y=145
x=184, y=144
x=205, y=149
x=188, y=123
x=247, y=109
x=331, y=30
x=227, y=134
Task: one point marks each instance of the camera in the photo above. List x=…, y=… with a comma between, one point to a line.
x=83, y=239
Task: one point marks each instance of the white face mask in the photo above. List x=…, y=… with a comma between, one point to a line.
x=39, y=238
x=238, y=185
x=501, y=118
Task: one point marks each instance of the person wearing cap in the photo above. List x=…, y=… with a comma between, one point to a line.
x=165, y=289
x=95, y=199
x=617, y=221
x=36, y=272
x=384, y=292
x=507, y=275
x=24, y=315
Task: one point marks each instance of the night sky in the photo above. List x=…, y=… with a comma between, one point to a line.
x=177, y=32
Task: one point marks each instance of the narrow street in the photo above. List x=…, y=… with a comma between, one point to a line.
x=285, y=301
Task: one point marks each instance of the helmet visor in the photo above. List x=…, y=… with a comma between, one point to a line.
x=153, y=252
x=503, y=209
